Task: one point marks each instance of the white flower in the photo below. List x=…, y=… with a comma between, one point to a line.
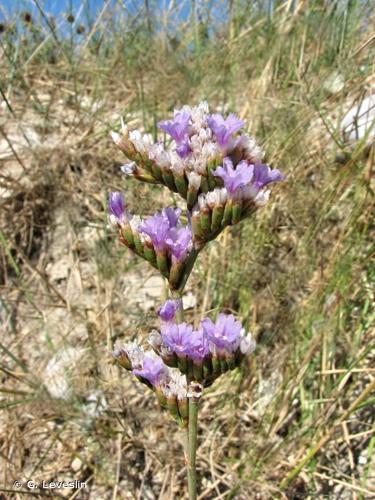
x=202, y=202
x=176, y=163
x=135, y=222
x=262, y=197
x=129, y=168
x=194, y=180
x=247, y=344
x=142, y=143
x=160, y=155
x=135, y=353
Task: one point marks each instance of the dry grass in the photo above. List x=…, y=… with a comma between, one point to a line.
x=297, y=422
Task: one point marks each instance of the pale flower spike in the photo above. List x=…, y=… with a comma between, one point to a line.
x=220, y=174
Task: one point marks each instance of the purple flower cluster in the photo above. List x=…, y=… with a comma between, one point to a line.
x=255, y=176
x=169, y=385
x=164, y=229
x=182, y=130
x=208, y=153
x=222, y=341
x=182, y=340
x=222, y=337
x=167, y=234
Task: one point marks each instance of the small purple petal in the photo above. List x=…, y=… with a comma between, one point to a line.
x=223, y=129
x=263, y=175
x=116, y=204
x=183, y=149
x=197, y=348
x=178, y=127
x=153, y=369
x=179, y=242
x=168, y=310
x=172, y=215
x=234, y=178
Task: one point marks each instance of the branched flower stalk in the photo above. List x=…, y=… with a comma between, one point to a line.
x=220, y=175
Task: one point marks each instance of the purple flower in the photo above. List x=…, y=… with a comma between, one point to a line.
x=165, y=233
x=178, y=127
x=172, y=215
x=116, y=205
x=183, y=340
x=223, y=129
x=197, y=348
x=234, y=178
x=225, y=334
x=179, y=242
x=157, y=228
x=153, y=369
x=168, y=310
x=263, y=175
x=183, y=149
x=176, y=337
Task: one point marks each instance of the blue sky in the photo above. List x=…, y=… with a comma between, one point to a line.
x=8, y=8
x=54, y=7
x=86, y=11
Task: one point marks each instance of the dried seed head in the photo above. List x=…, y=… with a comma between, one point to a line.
x=27, y=17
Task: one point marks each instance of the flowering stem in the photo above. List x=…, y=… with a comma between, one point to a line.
x=192, y=448
x=190, y=438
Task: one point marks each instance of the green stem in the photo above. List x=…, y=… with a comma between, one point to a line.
x=177, y=294
x=190, y=264
x=190, y=438
x=192, y=448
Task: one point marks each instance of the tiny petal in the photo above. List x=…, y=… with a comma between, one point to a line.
x=129, y=168
x=194, y=180
x=223, y=129
x=172, y=215
x=168, y=310
x=264, y=175
x=247, y=344
x=262, y=198
x=116, y=205
x=183, y=149
x=178, y=127
x=179, y=242
x=234, y=178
